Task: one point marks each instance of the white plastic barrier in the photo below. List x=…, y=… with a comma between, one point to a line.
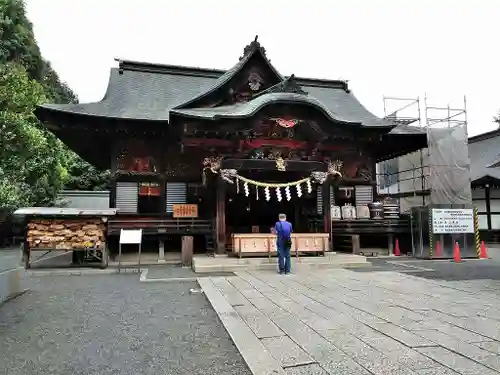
x=10, y=283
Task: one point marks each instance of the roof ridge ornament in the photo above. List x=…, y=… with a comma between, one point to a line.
x=252, y=47
x=289, y=85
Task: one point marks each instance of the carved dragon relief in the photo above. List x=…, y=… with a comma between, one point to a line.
x=212, y=164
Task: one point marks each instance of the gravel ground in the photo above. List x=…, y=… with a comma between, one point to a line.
x=113, y=325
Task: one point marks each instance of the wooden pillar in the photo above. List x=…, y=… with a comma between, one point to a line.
x=112, y=193
x=220, y=217
x=163, y=196
x=487, y=199
x=327, y=212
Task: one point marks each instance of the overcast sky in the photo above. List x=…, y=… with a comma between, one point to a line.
x=398, y=48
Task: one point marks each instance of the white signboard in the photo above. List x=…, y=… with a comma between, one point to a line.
x=130, y=236
x=452, y=220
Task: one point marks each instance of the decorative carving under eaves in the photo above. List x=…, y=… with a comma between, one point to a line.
x=364, y=173
x=335, y=167
x=280, y=164
x=253, y=46
x=319, y=177
x=286, y=123
x=135, y=173
x=211, y=164
x=228, y=175
x=255, y=80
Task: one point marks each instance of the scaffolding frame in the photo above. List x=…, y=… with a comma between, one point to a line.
x=412, y=181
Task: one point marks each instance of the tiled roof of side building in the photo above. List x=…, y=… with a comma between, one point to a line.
x=484, y=155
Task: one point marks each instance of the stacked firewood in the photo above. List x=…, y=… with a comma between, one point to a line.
x=66, y=234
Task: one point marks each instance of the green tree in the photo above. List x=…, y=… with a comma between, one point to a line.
x=17, y=42
x=83, y=176
x=35, y=164
x=33, y=168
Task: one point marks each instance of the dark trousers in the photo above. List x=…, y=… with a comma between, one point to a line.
x=284, y=261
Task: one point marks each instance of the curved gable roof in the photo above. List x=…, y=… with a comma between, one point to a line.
x=250, y=50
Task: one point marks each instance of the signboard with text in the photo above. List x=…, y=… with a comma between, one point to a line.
x=130, y=236
x=185, y=210
x=452, y=220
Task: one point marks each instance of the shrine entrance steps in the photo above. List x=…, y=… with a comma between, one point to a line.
x=225, y=263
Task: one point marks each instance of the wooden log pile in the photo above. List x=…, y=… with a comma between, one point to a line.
x=66, y=234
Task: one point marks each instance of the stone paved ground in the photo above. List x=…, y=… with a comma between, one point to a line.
x=113, y=324
x=347, y=322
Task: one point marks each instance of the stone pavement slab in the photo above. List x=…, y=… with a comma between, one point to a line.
x=313, y=369
x=259, y=323
x=346, y=322
x=287, y=352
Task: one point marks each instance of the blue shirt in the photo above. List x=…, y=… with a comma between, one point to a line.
x=283, y=230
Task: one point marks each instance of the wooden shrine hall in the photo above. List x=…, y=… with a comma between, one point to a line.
x=219, y=154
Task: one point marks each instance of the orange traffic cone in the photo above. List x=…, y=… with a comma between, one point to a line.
x=484, y=253
x=457, y=257
x=397, y=251
x=439, y=252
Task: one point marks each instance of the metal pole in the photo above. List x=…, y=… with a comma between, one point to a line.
x=119, y=257
x=139, y=256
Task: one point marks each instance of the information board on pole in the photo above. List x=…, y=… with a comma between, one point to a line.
x=130, y=236
x=452, y=220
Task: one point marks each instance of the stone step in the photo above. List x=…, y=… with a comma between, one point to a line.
x=203, y=264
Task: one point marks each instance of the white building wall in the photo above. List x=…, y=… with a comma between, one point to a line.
x=84, y=199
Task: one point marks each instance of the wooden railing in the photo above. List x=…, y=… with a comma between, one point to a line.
x=152, y=226
x=366, y=226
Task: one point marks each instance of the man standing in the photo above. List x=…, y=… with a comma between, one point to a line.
x=284, y=231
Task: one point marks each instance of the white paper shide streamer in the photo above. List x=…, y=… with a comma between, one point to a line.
x=287, y=193
x=267, y=194
x=299, y=190
x=278, y=194
x=245, y=187
x=309, y=186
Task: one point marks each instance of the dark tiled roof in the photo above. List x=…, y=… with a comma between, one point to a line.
x=247, y=109
x=150, y=95
x=150, y=91
x=483, y=136
x=484, y=155
x=143, y=95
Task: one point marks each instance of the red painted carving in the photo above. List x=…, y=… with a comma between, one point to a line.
x=285, y=122
x=137, y=164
